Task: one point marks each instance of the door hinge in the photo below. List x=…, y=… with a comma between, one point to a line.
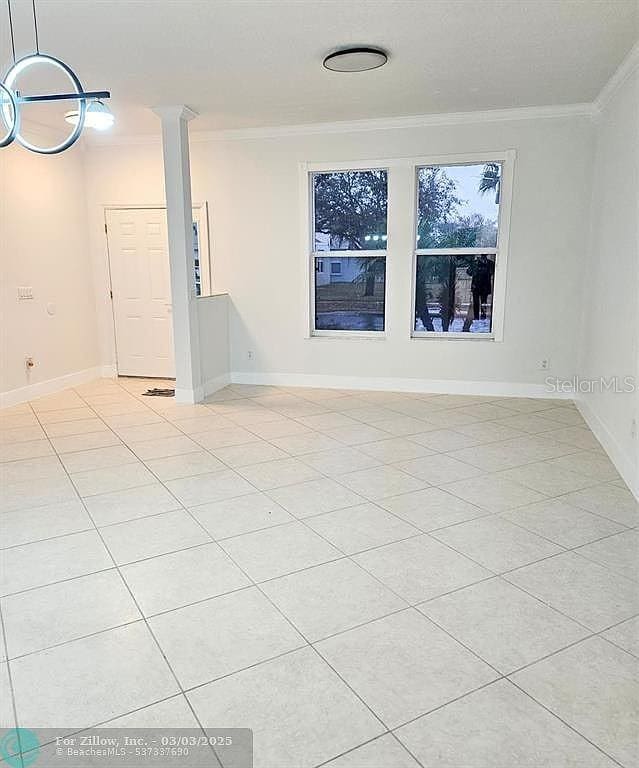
x=106, y=229
x=111, y=295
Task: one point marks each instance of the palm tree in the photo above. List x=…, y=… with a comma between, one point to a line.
x=370, y=269
x=490, y=180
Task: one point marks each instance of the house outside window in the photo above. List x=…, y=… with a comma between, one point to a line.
x=456, y=211
x=349, y=216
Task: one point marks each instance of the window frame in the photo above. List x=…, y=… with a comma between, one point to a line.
x=307, y=171
x=500, y=251
x=399, y=238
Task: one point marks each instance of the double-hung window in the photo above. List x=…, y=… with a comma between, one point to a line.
x=458, y=272
x=348, y=250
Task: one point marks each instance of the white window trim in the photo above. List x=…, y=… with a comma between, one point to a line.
x=308, y=241
x=507, y=160
x=506, y=157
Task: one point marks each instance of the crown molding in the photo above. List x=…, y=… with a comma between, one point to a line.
x=374, y=124
x=623, y=72
x=175, y=112
x=394, y=123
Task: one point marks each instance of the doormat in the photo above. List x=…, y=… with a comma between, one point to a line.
x=159, y=392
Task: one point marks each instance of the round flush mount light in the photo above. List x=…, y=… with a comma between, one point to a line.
x=358, y=59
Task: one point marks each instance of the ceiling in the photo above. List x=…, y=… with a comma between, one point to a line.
x=251, y=63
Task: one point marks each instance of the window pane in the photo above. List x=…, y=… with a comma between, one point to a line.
x=349, y=293
x=458, y=205
x=454, y=294
x=196, y=259
x=350, y=210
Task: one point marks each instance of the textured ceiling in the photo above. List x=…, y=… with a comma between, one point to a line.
x=250, y=63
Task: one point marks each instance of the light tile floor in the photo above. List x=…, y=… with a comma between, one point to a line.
x=365, y=579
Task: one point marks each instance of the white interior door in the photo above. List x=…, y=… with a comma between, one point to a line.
x=141, y=288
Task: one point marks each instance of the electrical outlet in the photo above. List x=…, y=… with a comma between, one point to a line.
x=250, y=354
x=29, y=363
x=25, y=292
x=544, y=364
x=633, y=428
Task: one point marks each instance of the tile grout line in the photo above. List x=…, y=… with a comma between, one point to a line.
x=309, y=643
x=566, y=723
x=356, y=448
x=493, y=574
x=148, y=626
x=286, y=618
x=104, y=544
x=334, y=479
x=279, y=611
x=14, y=709
x=416, y=605
x=428, y=618
x=299, y=520
x=484, y=514
x=312, y=530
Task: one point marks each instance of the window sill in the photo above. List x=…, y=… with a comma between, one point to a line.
x=454, y=336
x=352, y=335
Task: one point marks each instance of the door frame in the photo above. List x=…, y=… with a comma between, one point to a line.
x=204, y=246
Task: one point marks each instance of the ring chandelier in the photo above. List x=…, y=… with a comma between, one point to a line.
x=11, y=98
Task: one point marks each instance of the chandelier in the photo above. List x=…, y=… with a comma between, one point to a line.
x=89, y=108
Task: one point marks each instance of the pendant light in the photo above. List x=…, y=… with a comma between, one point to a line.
x=97, y=116
x=90, y=109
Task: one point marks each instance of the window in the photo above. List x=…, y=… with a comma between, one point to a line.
x=201, y=256
x=457, y=248
x=349, y=216
x=196, y=258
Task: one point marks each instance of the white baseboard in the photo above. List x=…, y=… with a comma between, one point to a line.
x=212, y=385
x=188, y=396
x=109, y=371
x=391, y=384
x=51, y=386
x=624, y=464
x=198, y=394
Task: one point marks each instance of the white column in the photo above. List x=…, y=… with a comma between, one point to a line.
x=177, y=186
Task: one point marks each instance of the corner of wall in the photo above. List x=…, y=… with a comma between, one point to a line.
x=609, y=343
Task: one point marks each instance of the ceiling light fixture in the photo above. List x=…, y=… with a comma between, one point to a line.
x=8, y=101
x=359, y=59
x=97, y=116
x=11, y=98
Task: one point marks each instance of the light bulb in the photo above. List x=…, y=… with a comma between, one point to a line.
x=97, y=116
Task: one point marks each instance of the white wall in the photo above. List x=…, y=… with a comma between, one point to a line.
x=253, y=189
x=213, y=326
x=44, y=244
x=610, y=340
x=131, y=175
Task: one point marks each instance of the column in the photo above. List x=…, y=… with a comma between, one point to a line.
x=177, y=186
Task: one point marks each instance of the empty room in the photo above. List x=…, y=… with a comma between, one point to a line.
x=319, y=383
